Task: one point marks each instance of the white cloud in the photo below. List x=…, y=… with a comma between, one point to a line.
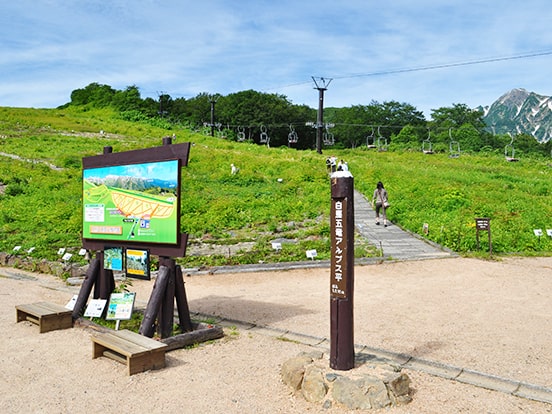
x=185, y=48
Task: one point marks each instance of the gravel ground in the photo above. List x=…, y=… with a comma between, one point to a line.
x=492, y=317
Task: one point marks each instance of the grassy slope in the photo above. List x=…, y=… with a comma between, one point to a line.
x=41, y=206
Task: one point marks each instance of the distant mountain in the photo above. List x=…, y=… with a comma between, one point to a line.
x=520, y=111
x=133, y=183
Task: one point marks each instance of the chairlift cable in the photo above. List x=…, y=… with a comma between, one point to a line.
x=428, y=67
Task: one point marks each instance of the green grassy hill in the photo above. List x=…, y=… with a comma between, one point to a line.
x=278, y=193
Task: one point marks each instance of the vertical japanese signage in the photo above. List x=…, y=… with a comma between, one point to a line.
x=339, y=269
x=342, y=222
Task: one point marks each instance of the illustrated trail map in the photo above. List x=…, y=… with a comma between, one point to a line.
x=136, y=202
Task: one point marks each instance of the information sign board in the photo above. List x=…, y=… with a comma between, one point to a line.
x=120, y=306
x=136, y=202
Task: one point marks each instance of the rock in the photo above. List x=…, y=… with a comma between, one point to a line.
x=293, y=370
x=376, y=392
x=313, y=386
x=331, y=376
x=56, y=269
x=14, y=261
x=78, y=271
x=398, y=384
x=314, y=355
x=75, y=281
x=372, y=385
x=44, y=266
x=349, y=393
x=399, y=388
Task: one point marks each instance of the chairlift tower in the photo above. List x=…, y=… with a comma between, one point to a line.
x=161, y=112
x=213, y=100
x=322, y=85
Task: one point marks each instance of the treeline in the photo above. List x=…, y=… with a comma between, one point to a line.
x=272, y=119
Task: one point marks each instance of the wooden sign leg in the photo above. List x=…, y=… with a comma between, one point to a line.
x=147, y=328
x=182, y=302
x=86, y=288
x=166, y=311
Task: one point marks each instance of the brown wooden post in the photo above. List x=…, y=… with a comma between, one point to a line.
x=86, y=288
x=166, y=311
x=342, y=353
x=147, y=328
x=105, y=283
x=100, y=259
x=182, y=302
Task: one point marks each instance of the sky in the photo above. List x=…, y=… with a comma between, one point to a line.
x=419, y=52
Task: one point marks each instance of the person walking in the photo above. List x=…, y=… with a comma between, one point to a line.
x=380, y=203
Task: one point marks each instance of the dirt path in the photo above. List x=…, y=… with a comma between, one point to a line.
x=490, y=317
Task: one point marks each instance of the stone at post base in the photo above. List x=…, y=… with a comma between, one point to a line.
x=372, y=384
x=313, y=386
x=293, y=371
x=350, y=394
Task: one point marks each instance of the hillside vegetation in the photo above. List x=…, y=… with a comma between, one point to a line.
x=278, y=193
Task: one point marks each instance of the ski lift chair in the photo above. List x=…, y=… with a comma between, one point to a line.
x=382, y=142
x=427, y=146
x=292, y=136
x=454, y=146
x=510, y=151
x=264, y=139
x=241, y=134
x=371, y=140
x=328, y=137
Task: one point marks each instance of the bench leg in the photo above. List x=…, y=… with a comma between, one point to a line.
x=97, y=350
x=21, y=316
x=152, y=360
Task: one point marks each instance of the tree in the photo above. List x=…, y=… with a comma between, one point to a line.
x=527, y=144
x=127, y=100
x=95, y=94
x=356, y=123
x=198, y=109
x=397, y=115
x=454, y=117
x=165, y=105
x=408, y=138
x=468, y=137
x=255, y=110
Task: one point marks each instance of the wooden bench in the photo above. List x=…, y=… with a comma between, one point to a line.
x=138, y=352
x=47, y=316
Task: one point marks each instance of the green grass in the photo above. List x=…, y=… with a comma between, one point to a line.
x=278, y=193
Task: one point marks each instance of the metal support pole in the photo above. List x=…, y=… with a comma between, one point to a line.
x=342, y=353
x=213, y=117
x=320, y=120
x=213, y=100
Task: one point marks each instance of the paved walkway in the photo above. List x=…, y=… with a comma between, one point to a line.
x=394, y=242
